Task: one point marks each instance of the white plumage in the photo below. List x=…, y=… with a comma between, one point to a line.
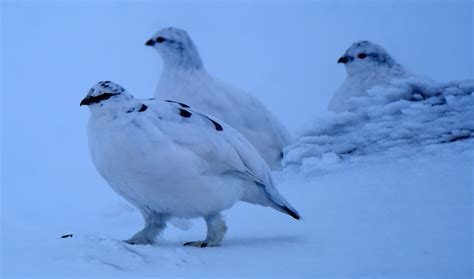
x=381, y=107
x=367, y=65
x=184, y=79
x=168, y=159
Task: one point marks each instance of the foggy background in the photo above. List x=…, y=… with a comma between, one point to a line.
x=283, y=52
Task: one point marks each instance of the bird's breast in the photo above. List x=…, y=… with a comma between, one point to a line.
x=150, y=169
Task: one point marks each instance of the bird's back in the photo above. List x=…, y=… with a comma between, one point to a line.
x=237, y=108
x=357, y=85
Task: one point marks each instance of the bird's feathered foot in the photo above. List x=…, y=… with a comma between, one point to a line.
x=216, y=229
x=140, y=239
x=154, y=224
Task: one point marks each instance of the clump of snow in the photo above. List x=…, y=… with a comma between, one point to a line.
x=409, y=114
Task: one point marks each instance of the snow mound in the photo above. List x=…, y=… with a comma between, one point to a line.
x=413, y=113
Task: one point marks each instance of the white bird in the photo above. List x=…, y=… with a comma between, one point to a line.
x=184, y=79
x=386, y=109
x=170, y=160
x=367, y=65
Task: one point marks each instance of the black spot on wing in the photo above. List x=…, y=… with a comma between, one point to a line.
x=142, y=108
x=184, y=113
x=181, y=104
x=130, y=110
x=217, y=126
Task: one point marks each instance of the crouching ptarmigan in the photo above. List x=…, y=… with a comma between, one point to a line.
x=367, y=65
x=170, y=160
x=184, y=79
x=386, y=109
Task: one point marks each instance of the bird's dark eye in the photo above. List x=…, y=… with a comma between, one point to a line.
x=362, y=55
x=160, y=39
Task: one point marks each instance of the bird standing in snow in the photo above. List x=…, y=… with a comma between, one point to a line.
x=395, y=110
x=168, y=159
x=184, y=79
x=367, y=65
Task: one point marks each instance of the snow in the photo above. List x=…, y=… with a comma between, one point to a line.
x=380, y=217
x=409, y=114
x=397, y=214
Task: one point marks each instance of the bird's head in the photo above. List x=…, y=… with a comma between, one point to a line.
x=176, y=48
x=364, y=56
x=105, y=92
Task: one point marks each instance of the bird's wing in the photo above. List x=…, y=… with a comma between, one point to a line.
x=226, y=150
x=211, y=138
x=256, y=108
x=236, y=107
x=256, y=123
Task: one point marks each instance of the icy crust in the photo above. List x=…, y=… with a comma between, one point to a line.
x=410, y=113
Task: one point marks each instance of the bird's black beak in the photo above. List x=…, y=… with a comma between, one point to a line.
x=343, y=60
x=89, y=100
x=150, y=42
x=85, y=101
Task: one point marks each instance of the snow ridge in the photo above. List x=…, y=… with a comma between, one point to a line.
x=408, y=113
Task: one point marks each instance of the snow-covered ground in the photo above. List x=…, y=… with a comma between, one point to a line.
x=399, y=214
x=407, y=114
x=380, y=217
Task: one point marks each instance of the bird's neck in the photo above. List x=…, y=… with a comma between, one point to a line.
x=187, y=68
x=111, y=107
x=392, y=70
x=183, y=60
x=177, y=75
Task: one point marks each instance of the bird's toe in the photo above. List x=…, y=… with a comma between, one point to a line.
x=138, y=241
x=200, y=244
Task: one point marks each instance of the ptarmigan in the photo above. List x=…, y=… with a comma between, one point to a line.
x=385, y=108
x=367, y=65
x=168, y=159
x=184, y=79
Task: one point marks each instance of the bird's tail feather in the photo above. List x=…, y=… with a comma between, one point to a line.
x=292, y=212
x=278, y=202
x=268, y=196
x=287, y=209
